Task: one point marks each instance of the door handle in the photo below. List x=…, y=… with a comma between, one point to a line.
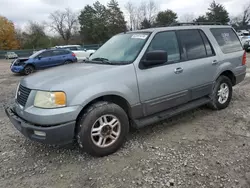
x=215, y=62
x=178, y=70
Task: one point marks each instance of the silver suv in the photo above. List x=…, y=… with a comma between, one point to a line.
x=135, y=79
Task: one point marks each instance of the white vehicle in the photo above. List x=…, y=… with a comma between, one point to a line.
x=11, y=55
x=81, y=54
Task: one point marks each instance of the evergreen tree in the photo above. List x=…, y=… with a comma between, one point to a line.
x=165, y=18
x=116, y=21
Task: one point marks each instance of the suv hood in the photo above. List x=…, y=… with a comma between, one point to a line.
x=58, y=78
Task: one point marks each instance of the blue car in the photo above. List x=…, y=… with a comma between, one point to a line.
x=43, y=59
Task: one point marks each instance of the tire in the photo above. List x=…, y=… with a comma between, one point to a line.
x=28, y=70
x=67, y=62
x=219, y=103
x=88, y=138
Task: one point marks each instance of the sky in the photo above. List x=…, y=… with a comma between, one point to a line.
x=21, y=11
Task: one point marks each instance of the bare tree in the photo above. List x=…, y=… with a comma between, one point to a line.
x=131, y=9
x=246, y=15
x=242, y=21
x=152, y=10
x=187, y=17
x=146, y=10
x=64, y=23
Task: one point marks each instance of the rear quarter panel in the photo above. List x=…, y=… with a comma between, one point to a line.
x=227, y=61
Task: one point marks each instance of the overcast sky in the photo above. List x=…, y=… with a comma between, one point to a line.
x=20, y=11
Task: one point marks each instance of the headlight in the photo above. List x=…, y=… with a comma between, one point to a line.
x=46, y=99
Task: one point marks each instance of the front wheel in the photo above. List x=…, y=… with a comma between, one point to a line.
x=102, y=129
x=28, y=70
x=222, y=93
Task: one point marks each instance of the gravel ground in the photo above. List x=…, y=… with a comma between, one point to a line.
x=200, y=148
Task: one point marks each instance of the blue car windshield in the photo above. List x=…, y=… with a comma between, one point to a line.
x=36, y=54
x=122, y=48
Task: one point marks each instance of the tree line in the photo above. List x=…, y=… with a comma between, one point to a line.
x=96, y=23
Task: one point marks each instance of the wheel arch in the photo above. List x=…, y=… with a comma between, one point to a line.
x=30, y=64
x=116, y=99
x=230, y=75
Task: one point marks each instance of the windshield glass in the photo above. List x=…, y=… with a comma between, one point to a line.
x=36, y=54
x=122, y=48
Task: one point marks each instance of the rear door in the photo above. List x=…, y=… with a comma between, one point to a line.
x=199, y=62
x=58, y=57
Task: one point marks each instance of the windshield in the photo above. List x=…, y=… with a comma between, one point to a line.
x=122, y=48
x=36, y=54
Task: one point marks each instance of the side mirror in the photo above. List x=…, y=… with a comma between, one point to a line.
x=156, y=57
x=39, y=57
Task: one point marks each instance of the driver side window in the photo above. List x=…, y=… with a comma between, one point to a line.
x=166, y=41
x=45, y=54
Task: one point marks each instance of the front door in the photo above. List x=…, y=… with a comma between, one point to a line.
x=43, y=60
x=162, y=87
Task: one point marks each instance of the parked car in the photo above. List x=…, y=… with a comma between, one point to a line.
x=42, y=59
x=135, y=79
x=11, y=55
x=81, y=53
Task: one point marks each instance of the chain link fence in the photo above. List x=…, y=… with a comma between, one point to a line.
x=29, y=52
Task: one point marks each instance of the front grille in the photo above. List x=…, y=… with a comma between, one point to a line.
x=22, y=95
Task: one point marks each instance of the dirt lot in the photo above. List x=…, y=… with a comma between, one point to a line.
x=201, y=148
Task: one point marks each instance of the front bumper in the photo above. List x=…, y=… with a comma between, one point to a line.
x=57, y=134
x=16, y=69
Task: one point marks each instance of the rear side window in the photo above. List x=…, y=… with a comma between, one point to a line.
x=209, y=49
x=73, y=48
x=227, y=40
x=60, y=52
x=193, y=44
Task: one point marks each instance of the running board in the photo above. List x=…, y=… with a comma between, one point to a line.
x=139, y=123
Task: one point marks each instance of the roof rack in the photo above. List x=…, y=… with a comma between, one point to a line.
x=195, y=23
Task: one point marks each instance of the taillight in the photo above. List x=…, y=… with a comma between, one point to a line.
x=73, y=54
x=244, y=59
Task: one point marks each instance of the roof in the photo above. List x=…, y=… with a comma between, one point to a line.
x=74, y=45
x=157, y=29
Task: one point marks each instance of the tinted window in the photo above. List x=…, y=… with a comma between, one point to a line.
x=227, y=40
x=192, y=42
x=73, y=48
x=59, y=52
x=46, y=54
x=166, y=41
x=208, y=46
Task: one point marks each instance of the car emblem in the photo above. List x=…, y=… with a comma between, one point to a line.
x=19, y=93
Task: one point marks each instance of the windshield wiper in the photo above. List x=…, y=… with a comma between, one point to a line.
x=100, y=59
x=103, y=60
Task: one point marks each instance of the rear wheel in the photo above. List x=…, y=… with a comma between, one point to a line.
x=102, y=129
x=28, y=70
x=67, y=62
x=222, y=93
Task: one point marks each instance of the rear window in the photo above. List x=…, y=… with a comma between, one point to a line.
x=227, y=40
